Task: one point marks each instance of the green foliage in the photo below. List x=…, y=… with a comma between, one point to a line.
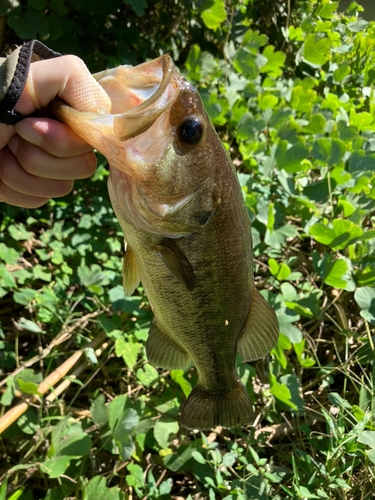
x=297, y=115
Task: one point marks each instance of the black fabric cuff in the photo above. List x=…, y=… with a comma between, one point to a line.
x=7, y=113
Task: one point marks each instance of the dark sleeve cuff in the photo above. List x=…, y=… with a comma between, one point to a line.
x=7, y=113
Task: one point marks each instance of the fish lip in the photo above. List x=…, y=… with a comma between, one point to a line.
x=137, y=120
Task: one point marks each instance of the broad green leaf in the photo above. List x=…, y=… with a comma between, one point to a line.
x=54, y=467
x=69, y=439
x=213, y=13
x=29, y=326
x=316, y=50
x=245, y=63
x=340, y=235
x=19, y=233
x=365, y=298
x=126, y=423
x=8, y=255
x=166, y=487
x=291, y=159
x=198, y=457
x=116, y=410
x=164, y=427
x=178, y=376
x=281, y=392
x=99, y=412
x=316, y=125
x=368, y=438
x=135, y=476
x=128, y=350
x=341, y=72
x=275, y=61
x=301, y=99
x=147, y=375
x=268, y=101
x=97, y=489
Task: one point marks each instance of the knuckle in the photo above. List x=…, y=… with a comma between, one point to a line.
x=75, y=62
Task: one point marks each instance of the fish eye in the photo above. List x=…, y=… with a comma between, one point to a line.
x=191, y=130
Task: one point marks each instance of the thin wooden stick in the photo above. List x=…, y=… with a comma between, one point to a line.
x=14, y=413
x=59, y=339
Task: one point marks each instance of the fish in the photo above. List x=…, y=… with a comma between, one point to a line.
x=187, y=233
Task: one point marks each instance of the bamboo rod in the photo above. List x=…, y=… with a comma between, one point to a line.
x=14, y=413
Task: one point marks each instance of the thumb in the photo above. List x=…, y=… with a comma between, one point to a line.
x=66, y=77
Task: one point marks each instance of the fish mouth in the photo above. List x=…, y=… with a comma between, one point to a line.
x=138, y=94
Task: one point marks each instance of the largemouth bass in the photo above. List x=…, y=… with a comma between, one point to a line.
x=176, y=195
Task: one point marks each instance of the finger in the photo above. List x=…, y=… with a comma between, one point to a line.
x=6, y=132
x=16, y=178
x=37, y=162
x=52, y=136
x=12, y=197
x=66, y=77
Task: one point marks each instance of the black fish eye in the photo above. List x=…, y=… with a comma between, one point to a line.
x=191, y=130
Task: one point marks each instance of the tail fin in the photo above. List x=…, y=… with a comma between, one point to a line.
x=204, y=410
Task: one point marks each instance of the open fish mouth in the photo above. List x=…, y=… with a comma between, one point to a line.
x=139, y=95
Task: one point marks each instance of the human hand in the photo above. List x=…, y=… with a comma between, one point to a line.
x=40, y=157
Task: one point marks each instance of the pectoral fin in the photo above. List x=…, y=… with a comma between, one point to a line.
x=163, y=351
x=130, y=274
x=261, y=330
x=177, y=262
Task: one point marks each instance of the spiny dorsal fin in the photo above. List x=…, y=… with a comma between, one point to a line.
x=177, y=262
x=261, y=331
x=130, y=274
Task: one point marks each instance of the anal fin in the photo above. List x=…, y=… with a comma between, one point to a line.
x=130, y=274
x=177, y=262
x=164, y=352
x=261, y=330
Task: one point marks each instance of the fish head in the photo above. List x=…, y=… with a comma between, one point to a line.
x=163, y=152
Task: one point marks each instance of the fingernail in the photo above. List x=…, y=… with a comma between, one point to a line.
x=29, y=132
x=14, y=143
